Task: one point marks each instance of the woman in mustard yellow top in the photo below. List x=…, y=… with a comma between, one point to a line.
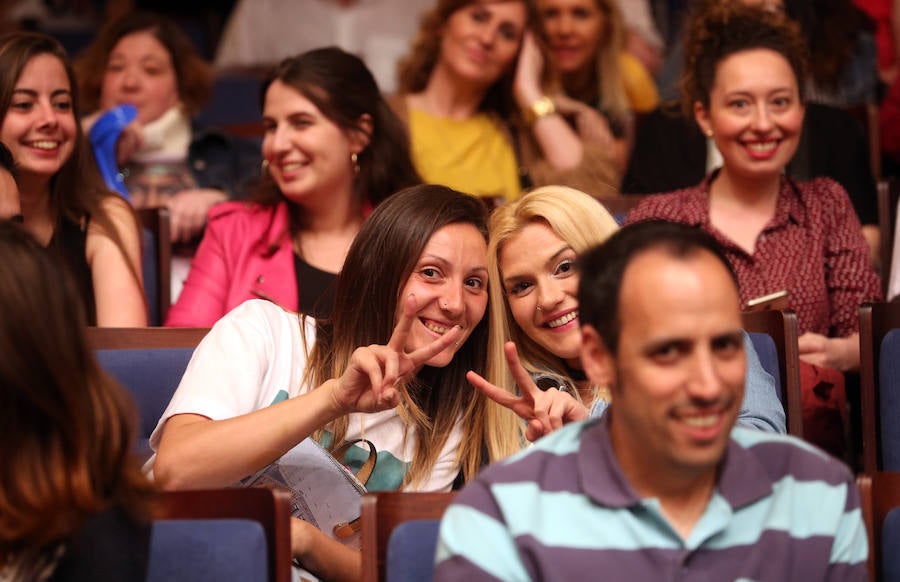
x=587, y=39
x=482, y=114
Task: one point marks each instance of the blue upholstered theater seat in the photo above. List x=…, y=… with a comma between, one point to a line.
x=151, y=375
x=890, y=546
x=207, y=550
x=889, y=400
x=410, y=551
x=235, y=99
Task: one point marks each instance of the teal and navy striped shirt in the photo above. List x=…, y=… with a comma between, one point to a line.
x=563, y=510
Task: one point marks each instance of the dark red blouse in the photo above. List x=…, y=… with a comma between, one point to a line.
x=812, y=247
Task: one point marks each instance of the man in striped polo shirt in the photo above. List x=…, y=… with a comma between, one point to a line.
x=663, y=486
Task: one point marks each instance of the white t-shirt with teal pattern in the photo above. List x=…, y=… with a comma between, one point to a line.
x=256, y=356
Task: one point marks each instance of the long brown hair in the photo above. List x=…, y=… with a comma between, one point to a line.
x=378, y=264
x=611, y=96
x=67, y=429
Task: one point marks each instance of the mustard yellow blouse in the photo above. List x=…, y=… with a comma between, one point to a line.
x=470, y=155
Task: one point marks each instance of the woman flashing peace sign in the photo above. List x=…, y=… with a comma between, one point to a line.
x=389, y=366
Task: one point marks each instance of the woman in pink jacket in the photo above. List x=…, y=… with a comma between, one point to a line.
x=332, y=150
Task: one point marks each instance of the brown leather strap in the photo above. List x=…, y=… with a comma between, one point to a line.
x=368, y=466
x=343, y=531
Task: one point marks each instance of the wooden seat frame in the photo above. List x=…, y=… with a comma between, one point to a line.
x=269, y=507
x=781, y=326
x=382, y=512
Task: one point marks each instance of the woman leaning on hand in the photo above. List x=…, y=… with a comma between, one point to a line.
x=478, y=95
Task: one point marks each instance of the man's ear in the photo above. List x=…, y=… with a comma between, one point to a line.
x=598, y=361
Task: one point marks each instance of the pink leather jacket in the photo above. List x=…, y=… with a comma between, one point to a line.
x=246, y=253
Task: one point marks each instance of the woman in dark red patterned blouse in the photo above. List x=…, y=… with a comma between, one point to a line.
x=741, y=83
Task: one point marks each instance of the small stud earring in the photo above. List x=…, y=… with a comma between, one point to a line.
x=708, y=132
x=354, y=159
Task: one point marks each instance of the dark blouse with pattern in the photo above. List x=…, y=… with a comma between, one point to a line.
x=813, y=247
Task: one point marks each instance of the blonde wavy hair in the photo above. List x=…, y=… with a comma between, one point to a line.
x=583, y=223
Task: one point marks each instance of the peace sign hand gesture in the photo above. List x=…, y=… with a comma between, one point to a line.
x=369, y=382
x=545, y=411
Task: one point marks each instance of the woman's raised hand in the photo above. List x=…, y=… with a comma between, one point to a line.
x=130, y=141
x=369, y=382
x=545, y=411
x=527, y=81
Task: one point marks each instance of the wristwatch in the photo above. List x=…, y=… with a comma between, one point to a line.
x=540, y=108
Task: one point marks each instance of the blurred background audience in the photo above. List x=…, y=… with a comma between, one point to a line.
x=587, y=40
x=332, y=150
x=597, y=140
x=262, y=32
x=63, y=201
x=477, y=92
x=145, y=60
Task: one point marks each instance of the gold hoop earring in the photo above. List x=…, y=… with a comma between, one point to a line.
x=354, y=159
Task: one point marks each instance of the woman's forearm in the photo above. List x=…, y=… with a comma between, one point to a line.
x=196, y=452
x=323, y=556
x=560, y=145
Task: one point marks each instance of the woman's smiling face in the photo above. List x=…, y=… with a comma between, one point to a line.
x=575, y=29
x=480, y=41
x=755, y=114
x=449, y=282
x=140, y=72
x=541, y=287
x=39, y=127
